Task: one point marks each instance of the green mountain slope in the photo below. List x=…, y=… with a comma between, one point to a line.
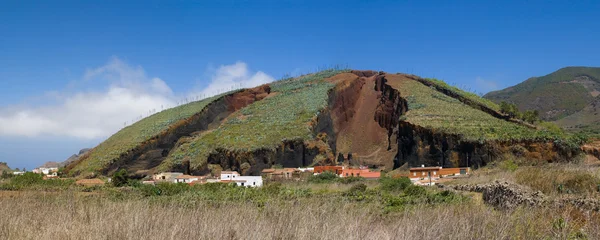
x=383, y=120
x=132, y=136
x=556, y=95
x=587, y=120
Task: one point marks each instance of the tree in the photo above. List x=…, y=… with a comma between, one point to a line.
x=510, y=109
x=120, y=178
x=340, y=158
x=531, y=116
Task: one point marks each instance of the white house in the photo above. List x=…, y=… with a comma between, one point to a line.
x=229, y=175
x=18, y=173
x=186, y=179
x=166, y=176
x=45, y=171
x=243, y=181
x=306, y=169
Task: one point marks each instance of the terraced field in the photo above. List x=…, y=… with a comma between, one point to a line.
x=286, y=115
x=432, y=109
x=137, y=133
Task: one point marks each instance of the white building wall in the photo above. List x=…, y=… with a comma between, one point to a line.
x=251, y=181
x=229, y=176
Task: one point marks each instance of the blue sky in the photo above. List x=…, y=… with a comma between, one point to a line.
x=57, y=57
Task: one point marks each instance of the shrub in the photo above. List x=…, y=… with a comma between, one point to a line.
x=6, y=175
x=120, y=178
x=35, y=181
x=509, y=165
x=361, y=187
x=28, y=179
x=414, y=190
x=394, y=184
x=325, y=177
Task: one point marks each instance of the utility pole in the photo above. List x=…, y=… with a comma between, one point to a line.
x=429, y=174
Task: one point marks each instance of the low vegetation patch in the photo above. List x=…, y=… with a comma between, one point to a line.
x=33, y=181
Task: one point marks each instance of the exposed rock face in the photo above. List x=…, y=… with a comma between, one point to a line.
x=295, y=153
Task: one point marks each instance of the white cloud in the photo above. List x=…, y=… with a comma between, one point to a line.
x=129, y=93
x=485, y=86
x=236, y=75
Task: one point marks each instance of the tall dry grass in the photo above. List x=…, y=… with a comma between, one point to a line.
x=554, y=180
x=68, y=215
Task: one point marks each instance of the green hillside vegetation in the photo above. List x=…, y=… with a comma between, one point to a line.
x=468, y=95
x=431, y=109
x=133, y=135
x=555, y=95
x=511, y=109
x=585, y=121
x=265, y=124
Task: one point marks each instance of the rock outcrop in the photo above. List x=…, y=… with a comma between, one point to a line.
x=508, y=196
x=505, y=195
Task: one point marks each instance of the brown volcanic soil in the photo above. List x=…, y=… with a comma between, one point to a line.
x=355, y=105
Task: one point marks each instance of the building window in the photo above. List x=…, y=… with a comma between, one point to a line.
x=415, y=174
x=423, y=173
x=434, y=172
x=242, y=184
x=358, y=174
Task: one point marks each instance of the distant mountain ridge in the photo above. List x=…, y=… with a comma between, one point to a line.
x=568, y=96
x=69, y=160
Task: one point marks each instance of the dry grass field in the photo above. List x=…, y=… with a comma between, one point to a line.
x=70, y=215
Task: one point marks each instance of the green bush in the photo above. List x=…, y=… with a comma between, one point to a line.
x=325, y=177
x=33, y=181
x=414, y=190
x=509, y=165
x=394, y=184
x=361, y=187
x=6, y=175
x=120, y=178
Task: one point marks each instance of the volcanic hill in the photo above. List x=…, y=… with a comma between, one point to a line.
x=569, y=96
x=382, y=120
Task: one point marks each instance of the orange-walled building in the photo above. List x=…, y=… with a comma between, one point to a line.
x=334, y=169
x=365, y=173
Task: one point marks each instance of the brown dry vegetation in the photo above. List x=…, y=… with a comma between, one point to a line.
x=555, y=180
x=65, y=216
